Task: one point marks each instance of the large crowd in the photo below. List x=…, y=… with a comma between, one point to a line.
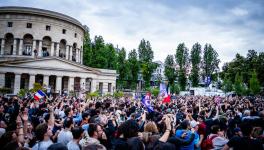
x=185, y=123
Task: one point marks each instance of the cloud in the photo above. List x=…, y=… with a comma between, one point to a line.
x=230, y=26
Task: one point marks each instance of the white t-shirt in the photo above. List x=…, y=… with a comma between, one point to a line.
x=65, y=137
x=43, y=145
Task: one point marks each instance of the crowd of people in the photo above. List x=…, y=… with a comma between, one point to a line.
x=185, y=123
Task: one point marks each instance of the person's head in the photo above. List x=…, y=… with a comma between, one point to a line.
x=129, y=129
x=237, y=131
x=151, y=127
x=95, y=130
x=57, y=146
x=85, y=116
x=42, y=131
x=247, y=113
x=68, y=111
x=1, y=108
x=194, y=125
x=68, y=123
x=215, y=129
x=246, y=128
x=77, y=133
x=185, y=124
x=200, y=118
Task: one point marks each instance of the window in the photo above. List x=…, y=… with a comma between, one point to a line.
x=29, y=25
x=101, y=88
x=10, y=24
x=109, y=87
x=75, y=35
x=63, y=31
x=47, y=28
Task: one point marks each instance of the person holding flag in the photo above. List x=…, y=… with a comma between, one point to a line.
x=146, y=102
x=164, y=94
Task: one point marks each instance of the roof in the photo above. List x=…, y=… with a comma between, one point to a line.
x=40, y=12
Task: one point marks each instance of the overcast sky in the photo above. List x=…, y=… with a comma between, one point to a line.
x=231, y=26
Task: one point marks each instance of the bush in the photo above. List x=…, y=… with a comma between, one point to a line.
x=22, y=93
x=118, y=94
x=155, y=92
x=92, y=95
x=5, y=90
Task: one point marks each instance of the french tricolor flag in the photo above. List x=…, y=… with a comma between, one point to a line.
x=164, y=94
x=39, y=94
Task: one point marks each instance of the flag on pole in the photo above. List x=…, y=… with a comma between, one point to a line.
x=146, y=102
x=164, y=93
x=38, y=95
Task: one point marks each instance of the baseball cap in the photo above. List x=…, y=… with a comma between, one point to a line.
x=193, y=123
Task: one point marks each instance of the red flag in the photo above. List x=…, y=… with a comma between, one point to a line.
x=166, y=99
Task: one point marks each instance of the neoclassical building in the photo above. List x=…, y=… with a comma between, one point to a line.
x=46, y=47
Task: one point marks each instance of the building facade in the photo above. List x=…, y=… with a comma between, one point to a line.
x=46, y=47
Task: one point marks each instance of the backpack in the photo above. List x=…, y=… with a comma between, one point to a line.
x=207, y=144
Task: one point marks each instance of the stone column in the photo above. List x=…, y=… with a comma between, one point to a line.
x=2, y=79
x=57, y=49
x=80, y=56
x=71, y=84
x=31, y=81
x=93, y=85
x=40, y=49
x=70, y=49
x=82, y=83
x=2, y=46
x=33, y=48
x=67, y=52
x=52, y=49
x=46, y=80
x=14, y=46
x=20, y=49
x=58, y=84
x=77, y=55
x=17, y=83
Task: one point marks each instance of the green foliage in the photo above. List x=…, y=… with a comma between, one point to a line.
x=36, y=87
x=195, y=60
x=22, y=93
x=5, y=90
x=245, y=66
x=118, y=94
x=122, y=68
x=133, y=67
x=92, y=95
x=182, y=56
x=146, y=56
x=87, y=50
x=182, y=59
x=254, y=83
x=155, y=92
x=170, y=71
x=210, y=60
x=227, y=85
x=176, y=89
x=238, y=86
x=182, y=79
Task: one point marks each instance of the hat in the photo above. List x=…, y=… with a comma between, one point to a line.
x=193, y=123
x=237, y=130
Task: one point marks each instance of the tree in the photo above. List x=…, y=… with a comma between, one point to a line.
x=87, y=49
x=254, y=83
x=155, y=92
x=238, y=86
x=170, y=72
x=210, y=60
x=227, y=84
x=111, y=56
x=122, y=68
x=182, y=60
x=195, y=60
x=146, y=56
x=133, y=68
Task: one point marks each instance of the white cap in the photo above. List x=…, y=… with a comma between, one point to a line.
x=193, y=123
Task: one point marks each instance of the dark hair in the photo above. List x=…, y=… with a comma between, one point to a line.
x=41, y=129
x=129, y=128
x=68, y=122
x=92, y=128
x=67, y=111
x=185, y=124
x=215, y=129
x=57, y=146
x=246, y=128
x=77, y=132
x=84, y=115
